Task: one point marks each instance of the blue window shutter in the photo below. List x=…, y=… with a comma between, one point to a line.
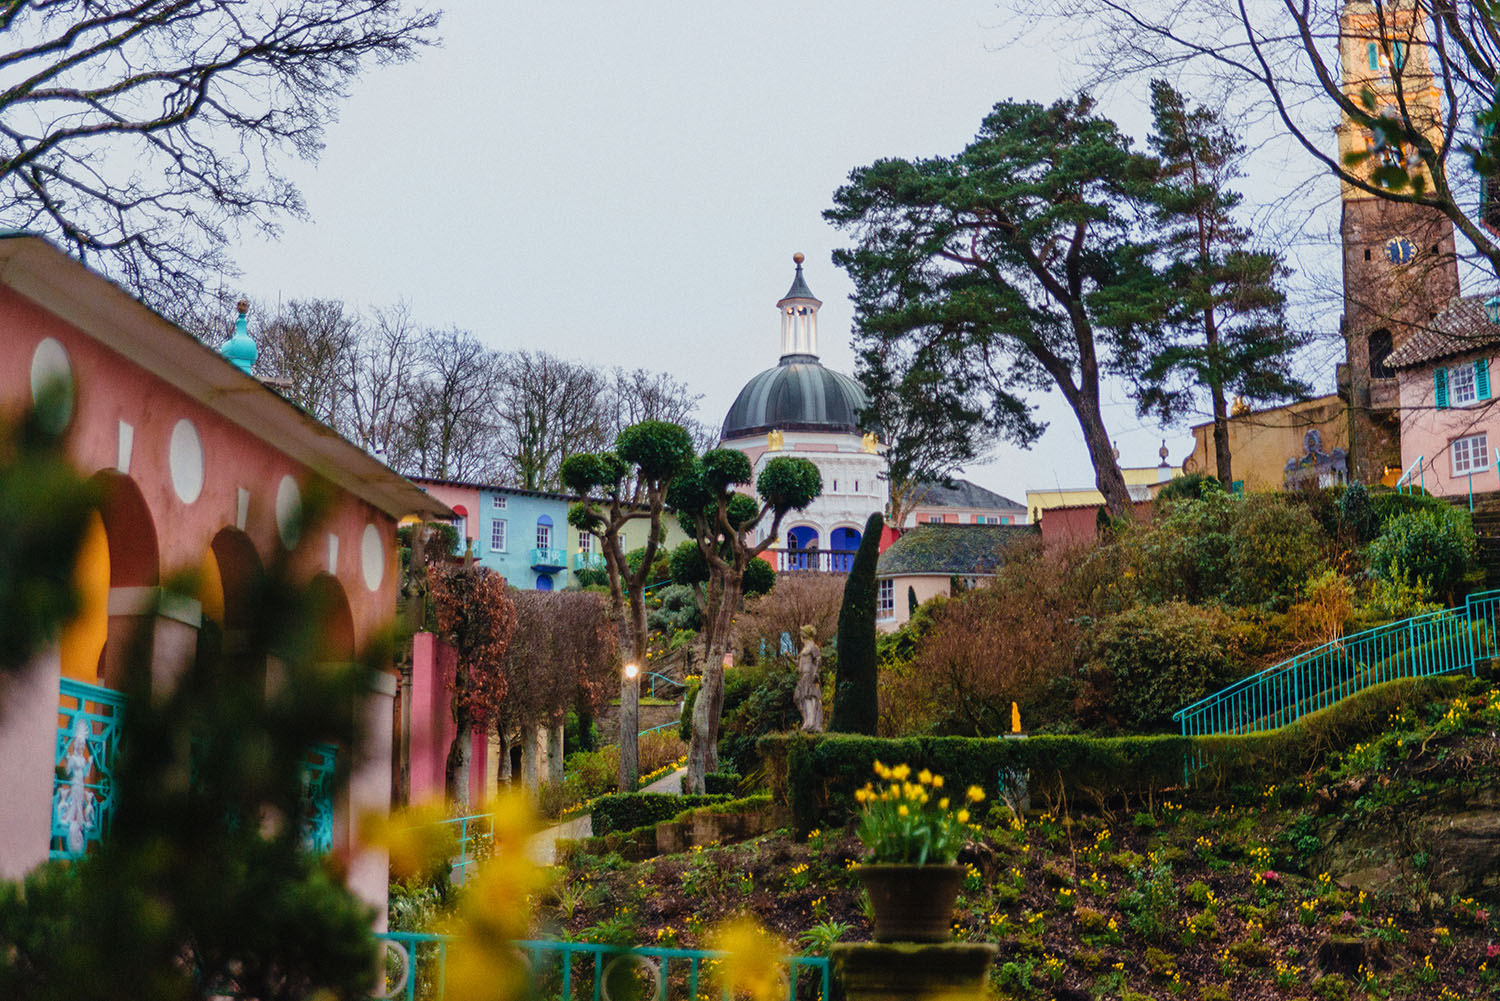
x=1399, y=54
x=1374, y=56
x=1440, y=387
x=1482, y=378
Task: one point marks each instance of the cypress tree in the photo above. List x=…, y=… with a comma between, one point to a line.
x=855, y=709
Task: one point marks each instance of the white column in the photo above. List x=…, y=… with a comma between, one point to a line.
x=28, y=743
x=370, y=793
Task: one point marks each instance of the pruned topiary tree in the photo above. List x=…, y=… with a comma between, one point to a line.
x=855, y=704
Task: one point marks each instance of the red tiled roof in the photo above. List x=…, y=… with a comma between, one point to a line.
x=1462, y=327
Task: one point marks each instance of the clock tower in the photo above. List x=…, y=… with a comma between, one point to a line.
x=1400, y=263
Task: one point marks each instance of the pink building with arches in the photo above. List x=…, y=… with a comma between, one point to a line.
x=204, y=469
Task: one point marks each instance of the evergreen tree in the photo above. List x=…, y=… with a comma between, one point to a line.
x=1227, y=330
x=1022, y=258
x=856, y=708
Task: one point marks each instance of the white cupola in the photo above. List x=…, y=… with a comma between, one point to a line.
x=799, y=317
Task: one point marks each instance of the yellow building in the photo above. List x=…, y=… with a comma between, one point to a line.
x=1266, y=445
x=1141, y=481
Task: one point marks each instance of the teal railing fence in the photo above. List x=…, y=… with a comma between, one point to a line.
x=1442, y=642
x=1414, y=478
x=658, y=676
x=89, y=726
x=470, y=831
x=415, y=965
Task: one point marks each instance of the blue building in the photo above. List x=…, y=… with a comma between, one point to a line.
x=521, y=534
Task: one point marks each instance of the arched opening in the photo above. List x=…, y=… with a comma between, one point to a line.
x=229, y=591
x=843, y=542
x=82, y=642
x=461, y=525
x=330, y=607
x=133, y=562
x=543, y=582
x=1380, y=350
x=801, y=548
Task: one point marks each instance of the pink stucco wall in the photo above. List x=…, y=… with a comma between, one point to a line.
x=1079, y=526
x=1427, y=432
x=434, y=664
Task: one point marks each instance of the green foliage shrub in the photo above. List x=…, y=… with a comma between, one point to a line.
x=678, y=610
x=661, y=567
x=1388, y=504
x=629, y=810
x=1142, y=665
x=1274, y=547
x=1435, y=547
x=1191, y=486
x=1357, y=514
x=1184, y=553
x=855, y=701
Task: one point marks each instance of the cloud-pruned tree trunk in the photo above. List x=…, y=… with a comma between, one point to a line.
x=723, y=520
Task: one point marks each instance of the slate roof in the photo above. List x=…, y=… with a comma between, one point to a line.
x=799, y=289
x=1458, y=329
x=797, y=395
x=951, y=549
x=963, y=494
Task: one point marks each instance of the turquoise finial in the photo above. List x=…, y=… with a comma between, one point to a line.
x=240, y=349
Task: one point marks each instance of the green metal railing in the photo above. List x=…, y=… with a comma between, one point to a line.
x=653, y=675
x=472, y=829
x=415, y=967
x=1442, y=642
x=1406, y=484
x=89, y=727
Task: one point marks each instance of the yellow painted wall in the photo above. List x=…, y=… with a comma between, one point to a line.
x=211, y=588
x=82, y=641
x=1038, y=501
x=1261, y=442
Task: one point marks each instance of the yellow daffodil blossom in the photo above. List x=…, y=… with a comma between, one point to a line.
x=924, y=777
x=900, y=772
x=937, y=782
x=962, y=816
x=975, y=794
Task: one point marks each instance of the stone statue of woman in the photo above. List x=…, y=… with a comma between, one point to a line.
x=809, y=692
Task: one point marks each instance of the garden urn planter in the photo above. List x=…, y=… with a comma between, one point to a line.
x=911, y=903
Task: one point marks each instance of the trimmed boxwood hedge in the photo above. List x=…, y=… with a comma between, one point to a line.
x=815, y=776
x=629, y=810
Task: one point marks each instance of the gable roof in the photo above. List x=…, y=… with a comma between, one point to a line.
x=951, y=549
x=35, y=269
x=1461, y=327
x=963, y=494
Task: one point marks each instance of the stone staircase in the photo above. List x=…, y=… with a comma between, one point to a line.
x=1486, y=519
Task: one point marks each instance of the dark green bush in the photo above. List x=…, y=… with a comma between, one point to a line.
x=1274, y=547
x=1357, y=514
x=1435, y=547
x=1142, y=665
x=627, y=811
x=1192, y=486
x=721, y=783
x=1390, y=503
x=678, y=610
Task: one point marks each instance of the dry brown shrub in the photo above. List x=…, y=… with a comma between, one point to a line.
x=1008, y=640
x=798, y=599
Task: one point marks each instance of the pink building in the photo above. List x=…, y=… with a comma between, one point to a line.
x=203, y=469
x=1449, y=429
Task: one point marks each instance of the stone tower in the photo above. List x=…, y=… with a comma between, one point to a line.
x=1400, y=265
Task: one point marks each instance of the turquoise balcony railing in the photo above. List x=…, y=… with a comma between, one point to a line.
x=90, y=720
x=317, y=799
x=588, y=561
x=549, y=558
x=1443, y=642
x=415, y=967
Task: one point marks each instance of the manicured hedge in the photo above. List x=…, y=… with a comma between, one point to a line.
x=627, y=811
x=815, y=776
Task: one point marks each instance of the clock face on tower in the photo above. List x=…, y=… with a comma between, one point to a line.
x=1400, y=250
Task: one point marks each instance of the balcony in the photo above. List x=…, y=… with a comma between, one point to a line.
x=588, y=561
x=549, y=559
x=813, y=560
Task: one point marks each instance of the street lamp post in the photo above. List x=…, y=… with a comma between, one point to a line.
x=630, y=726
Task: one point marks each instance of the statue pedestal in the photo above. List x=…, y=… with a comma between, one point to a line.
x=902, y=971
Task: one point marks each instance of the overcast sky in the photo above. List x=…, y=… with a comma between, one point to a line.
x=626, y=183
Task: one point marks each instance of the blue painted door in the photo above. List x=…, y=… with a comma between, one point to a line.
x=843, y=543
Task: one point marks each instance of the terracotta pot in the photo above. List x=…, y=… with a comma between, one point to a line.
x=912, y=903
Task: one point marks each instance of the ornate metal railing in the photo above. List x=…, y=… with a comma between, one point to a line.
x=90, y=721
x=471, y=831
x=656, y=676
x=816, y=560
x=544, y=557
x=588, y=561
x=1442, y=642
x=317, y=799
x=415, y=966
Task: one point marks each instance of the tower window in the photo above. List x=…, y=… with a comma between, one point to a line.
x=1367, y=253
x=1374, y=53
x=1380, y=350
x=1399, y=54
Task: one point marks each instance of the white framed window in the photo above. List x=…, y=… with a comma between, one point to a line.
x=885, y=600
x=497, y=536
x=835, y=487
x=856, y=486
x=1471, y=454
x=544, y=536
x=497, y=502
x=1462, y=388
x=585, y=542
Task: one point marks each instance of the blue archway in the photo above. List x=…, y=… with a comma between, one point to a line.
x=843, y=542
x=543, y=582
x=799, y=541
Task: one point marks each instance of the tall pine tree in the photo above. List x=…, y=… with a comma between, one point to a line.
x=1227, y=330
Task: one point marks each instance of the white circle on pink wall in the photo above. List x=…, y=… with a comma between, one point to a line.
x=185, y=461
x=50, y=364
x=372, y=557
x=288, y=512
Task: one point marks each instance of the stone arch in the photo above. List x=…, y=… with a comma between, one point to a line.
x=240, y=575
x=842, y=543
x=802, y=543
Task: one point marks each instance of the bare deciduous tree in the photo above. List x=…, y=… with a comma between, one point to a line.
x=142, y=135
x=546, y=409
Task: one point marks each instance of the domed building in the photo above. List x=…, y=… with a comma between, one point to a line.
x=800, y=408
